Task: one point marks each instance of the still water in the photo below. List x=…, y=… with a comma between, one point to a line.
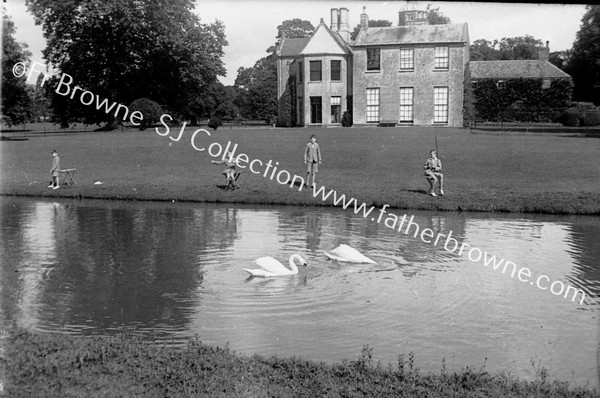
x=176, y=271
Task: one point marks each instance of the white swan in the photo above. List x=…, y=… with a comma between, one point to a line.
x=270, y=267
x=348, y=254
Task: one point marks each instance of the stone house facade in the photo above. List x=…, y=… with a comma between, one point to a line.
x=410, y=74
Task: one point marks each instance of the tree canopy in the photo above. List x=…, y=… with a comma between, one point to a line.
x=257, y=86
x=584, y=64
x=129, y=49
x=16, y=101
x=522, y=47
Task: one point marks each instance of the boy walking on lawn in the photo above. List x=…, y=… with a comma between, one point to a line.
x=312, y=158
x=55, y=170
x=433, y=167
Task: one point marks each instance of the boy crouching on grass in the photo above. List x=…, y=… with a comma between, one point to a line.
x=432, y=167
x=312, y=158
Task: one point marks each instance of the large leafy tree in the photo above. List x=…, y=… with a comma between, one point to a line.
x=584, y=64
x=522, y=47
x=16, y=100
x=128, y=49
x=435, y=17
x=257, y=89
x=257, y=86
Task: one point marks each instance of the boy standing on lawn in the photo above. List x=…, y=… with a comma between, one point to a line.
x=55, y=170
x=312, y=158
x=433, y=167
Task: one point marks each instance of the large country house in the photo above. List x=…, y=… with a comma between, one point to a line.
x=410, y=74
x=413, y=73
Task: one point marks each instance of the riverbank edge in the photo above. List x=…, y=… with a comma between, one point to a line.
x=126, y=365
x=533, y=204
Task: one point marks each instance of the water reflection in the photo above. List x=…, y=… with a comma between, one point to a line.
x=174, y=269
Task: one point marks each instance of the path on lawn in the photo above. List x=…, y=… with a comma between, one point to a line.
x=549, y=173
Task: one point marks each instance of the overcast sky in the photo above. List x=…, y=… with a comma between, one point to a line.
x=251, y=25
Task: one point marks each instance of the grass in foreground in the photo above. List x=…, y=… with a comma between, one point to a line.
x=546, y=173
x=126, y=365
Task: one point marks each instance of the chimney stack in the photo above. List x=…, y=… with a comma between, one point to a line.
x=334, y=20
x=364, y=19
x=544, y=52
x=344, y=19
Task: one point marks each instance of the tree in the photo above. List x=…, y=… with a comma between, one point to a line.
x=16, y=100
x=560, y=58
x=435, y=17
x=128, y=49
x=257, y=89
x=523, y=47
x=483, y=50
x=292, y=28
x=584, y=65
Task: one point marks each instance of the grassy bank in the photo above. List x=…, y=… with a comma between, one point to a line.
x=125, y=366
x=549, y=173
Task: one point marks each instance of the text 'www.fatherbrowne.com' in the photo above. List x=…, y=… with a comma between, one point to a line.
x=474, y=254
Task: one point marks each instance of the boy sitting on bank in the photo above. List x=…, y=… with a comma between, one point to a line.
x=433, y=167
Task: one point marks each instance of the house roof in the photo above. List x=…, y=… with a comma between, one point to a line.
x=292, y=46
x=514, y=69
x=416, y=34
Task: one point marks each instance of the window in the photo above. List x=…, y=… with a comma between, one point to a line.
x=300, y=72
x=546, y=84
x=372, y=105
x=301, y=110
x=406, y=104
x=407, y=59
x=373, y=59
x=316, y=116
x=442, y=57
x=336, y=109
x=440, y=104
x=336, y=70
x=315, y=71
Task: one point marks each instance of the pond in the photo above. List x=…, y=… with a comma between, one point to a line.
x=174, y=271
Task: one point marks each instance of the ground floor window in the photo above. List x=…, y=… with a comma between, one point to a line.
x=316, y=116
x=440, y=104
x=372, y=105
x=336, y=109
x=406, y=104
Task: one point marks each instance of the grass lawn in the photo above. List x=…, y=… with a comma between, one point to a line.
x=518, y=172
x=126, y=366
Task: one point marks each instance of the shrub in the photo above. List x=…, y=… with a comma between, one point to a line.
x=215, y=122
x=347, y=119
x=569, y=118
x=149, y=109
x=591, y=118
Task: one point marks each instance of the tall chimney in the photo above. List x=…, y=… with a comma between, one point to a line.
x=344, y=24
x=334, y=20
x=544, y=52
x=364, y=19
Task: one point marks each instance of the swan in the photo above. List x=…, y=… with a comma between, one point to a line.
x=271, y=267
x=348, y=254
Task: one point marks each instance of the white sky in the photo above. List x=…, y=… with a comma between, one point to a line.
x=251, y=25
